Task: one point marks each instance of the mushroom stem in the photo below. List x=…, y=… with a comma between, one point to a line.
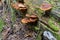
x=47, y=13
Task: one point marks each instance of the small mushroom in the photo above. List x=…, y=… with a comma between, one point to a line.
x=25, y=20
x=22, y=7
x=46, y=7
x=33, y=20
x=15, y=6
x=27, y=15
x=19, y=6
x=33, y=16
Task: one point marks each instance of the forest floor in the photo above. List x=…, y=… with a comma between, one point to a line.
x=16, y=30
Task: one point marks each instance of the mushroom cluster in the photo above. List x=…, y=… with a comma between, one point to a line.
x=19, y=6
x=30, y=18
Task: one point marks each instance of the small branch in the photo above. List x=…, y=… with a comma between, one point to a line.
x=45, y=23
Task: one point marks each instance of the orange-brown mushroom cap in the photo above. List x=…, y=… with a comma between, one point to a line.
x=15, y=5
x=19, y=6
x=25, y=20
x=33, y=20
x=33, y=16
x=45, y=6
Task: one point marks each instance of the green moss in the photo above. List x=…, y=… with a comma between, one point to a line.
x=39, y=36
x=1, y=24
x=36, y=28
x=13, y=15
x=53, y=26
x=57, y=36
